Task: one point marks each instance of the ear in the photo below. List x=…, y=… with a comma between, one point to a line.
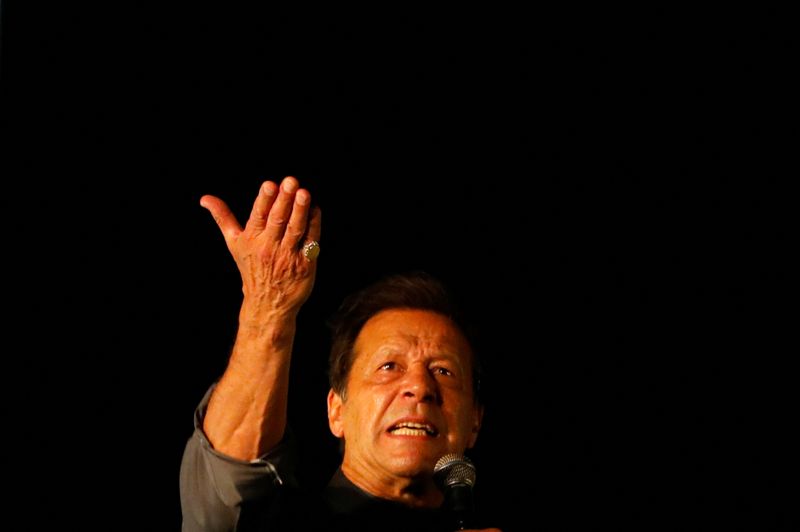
x=335, y=414
x=477, y=419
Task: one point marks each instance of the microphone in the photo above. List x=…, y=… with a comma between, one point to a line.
x=454, y=475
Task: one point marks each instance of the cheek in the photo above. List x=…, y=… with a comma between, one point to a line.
x=466, y=422
x=463, y=420
x=365, y=413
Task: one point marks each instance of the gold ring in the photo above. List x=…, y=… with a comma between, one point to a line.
x=311, y=250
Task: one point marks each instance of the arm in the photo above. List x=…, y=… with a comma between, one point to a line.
x=246, y=414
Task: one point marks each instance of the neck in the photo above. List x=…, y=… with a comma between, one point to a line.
x=415, y=492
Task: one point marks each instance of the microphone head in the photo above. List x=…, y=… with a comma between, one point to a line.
x=453, y=470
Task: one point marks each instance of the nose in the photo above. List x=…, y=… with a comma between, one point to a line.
x=420, y=385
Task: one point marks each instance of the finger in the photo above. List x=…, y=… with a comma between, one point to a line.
x=298, y=221
x=314, y=224
x=223, y=216
x=281, y=210
x=264, y=200
x=314, y=227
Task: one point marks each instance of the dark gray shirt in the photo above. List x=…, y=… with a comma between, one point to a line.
x=220, y=493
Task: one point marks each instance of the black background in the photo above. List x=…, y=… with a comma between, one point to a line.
x=602, y=189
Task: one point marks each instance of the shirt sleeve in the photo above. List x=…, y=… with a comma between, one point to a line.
x=214, y=487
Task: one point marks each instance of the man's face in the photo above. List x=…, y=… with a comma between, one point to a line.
x=409, y=397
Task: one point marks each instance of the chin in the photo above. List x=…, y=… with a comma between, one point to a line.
x=413, y=465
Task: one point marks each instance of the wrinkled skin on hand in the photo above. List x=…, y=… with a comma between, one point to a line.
x=276, y=277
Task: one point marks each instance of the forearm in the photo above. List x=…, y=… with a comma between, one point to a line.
x=218, y=492
x=246, y=415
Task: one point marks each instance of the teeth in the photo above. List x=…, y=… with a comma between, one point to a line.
x=413, y=429
x=410, y=432
x=414, y=426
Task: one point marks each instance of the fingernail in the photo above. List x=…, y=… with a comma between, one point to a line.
x=302, y=197
x=268, y=188
x=289, y=185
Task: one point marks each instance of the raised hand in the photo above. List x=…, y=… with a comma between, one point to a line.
x=246, y=414
x=276, y=275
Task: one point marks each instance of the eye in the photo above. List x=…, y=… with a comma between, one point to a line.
x=439, y=370
x=388, y=366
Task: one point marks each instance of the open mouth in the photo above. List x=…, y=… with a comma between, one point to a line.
x=412, y=428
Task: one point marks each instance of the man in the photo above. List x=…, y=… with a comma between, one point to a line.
x=403, y=391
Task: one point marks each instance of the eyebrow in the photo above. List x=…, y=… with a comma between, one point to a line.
x=456, y=357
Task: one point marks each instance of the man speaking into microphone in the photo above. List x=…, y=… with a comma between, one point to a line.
x=404, y=393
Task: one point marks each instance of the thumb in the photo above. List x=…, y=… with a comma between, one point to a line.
x=223, y=216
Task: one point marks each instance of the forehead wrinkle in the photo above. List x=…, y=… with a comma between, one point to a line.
x=440, y=342
x=408, y=343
